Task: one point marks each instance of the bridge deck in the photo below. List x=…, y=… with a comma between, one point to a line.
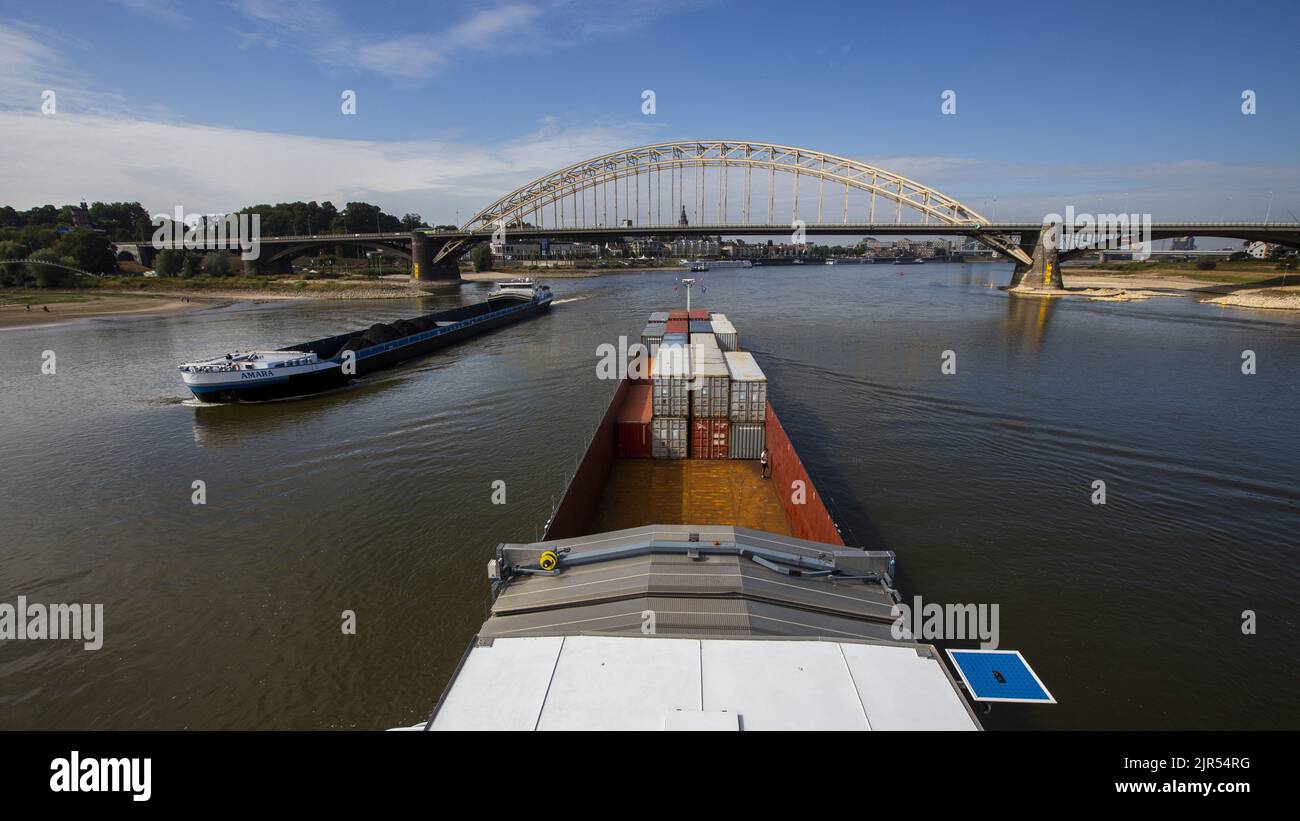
x=684, y=491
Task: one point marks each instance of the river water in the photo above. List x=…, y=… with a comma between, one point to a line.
x=378, y=498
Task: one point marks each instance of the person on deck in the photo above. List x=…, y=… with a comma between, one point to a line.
x=762, y=460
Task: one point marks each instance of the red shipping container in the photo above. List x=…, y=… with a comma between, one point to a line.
x=698, y=313
x=634, y=422
x=709, y=438
x=677, y=314
x=677, y=326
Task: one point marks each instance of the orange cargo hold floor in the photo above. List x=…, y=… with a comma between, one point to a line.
x=689, y=491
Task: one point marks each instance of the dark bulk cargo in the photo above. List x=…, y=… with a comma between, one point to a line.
x=634, y=422
x=651, y=336
x=748, y=387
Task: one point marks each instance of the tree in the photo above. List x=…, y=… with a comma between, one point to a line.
x=91, y=250
x=483, y=258
x=193, y=265
x=217, y=264
x=168, y=263
x=52, y=275
x=13, y=274
x=412, y=221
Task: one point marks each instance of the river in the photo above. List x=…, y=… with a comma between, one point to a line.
x=378, y=498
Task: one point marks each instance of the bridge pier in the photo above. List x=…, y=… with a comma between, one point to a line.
x=423, y=268
x=1045, y=273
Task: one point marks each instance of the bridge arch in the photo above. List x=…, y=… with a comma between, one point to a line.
x=298, y=249
x=530, y=202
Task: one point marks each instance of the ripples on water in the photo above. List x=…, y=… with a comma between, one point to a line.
x=376, y=498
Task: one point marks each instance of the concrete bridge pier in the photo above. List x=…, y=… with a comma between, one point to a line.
x=1045, y=273
x=423, y=268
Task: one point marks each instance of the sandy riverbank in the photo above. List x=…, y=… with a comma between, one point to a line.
x=66, y=308
x=1115, y=286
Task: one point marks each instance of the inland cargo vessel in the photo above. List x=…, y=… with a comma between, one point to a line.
x=683, y=582
x=323, y=364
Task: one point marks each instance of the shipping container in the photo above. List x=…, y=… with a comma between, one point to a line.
x=746, y=439
x=748, y=387
x=634, y=422
x=668, y=437
x=697, y=313
x=728, y=339
x=652, y=335
x=675, y=339
x=705, y=341
x=671, y=377
x=709, y=438
x=678, y=314
x=677, y=326
x=701, y=326
x=710, y=389
x=659, y=316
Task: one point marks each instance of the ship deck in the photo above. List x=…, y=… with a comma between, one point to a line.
x=681, y=491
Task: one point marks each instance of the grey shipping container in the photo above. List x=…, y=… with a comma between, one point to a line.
x=674, y=339
x=652, y=336
x=746, y=439
x=748, y=387
x=725, y=333
x=670, y=374
x=659, y=316
x=668, y=437
x=710, y=393
x=701, y=326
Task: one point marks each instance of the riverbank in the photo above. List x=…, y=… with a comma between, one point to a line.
x=21, y=309
x=564, y=273
x=1238, y=286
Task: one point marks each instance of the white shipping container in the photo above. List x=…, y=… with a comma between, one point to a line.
x=725, y=333
x=668, y=438
x=671, y=375
x=746, y=439
x=748, y=387
x=710, y=392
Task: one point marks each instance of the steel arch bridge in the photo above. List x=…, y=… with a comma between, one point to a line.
x=626, y=189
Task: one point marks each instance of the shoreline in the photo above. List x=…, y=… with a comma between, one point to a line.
x=63, y=310
x=1116, y=286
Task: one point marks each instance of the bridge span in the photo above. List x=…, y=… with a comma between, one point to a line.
x=744, y=188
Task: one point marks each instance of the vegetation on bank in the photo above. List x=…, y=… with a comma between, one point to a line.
x=1236, y=269
x=73, y=237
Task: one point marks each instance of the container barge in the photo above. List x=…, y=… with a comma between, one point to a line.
x=677, y=586
x=323, y=364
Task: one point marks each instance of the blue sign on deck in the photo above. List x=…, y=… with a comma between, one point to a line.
x=999, y=675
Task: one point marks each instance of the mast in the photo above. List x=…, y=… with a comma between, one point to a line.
x=688, y=282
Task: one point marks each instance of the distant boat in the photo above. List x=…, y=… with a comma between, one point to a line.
x=698, y=266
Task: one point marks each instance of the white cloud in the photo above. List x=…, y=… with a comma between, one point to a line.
x=206, y=169
x=314, y=27
x=160, y=10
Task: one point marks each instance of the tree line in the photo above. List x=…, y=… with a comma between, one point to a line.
x=59, y=234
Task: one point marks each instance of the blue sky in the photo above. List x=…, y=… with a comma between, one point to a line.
x=218, y=104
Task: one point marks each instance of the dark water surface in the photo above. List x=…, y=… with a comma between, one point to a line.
x=377, y=498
